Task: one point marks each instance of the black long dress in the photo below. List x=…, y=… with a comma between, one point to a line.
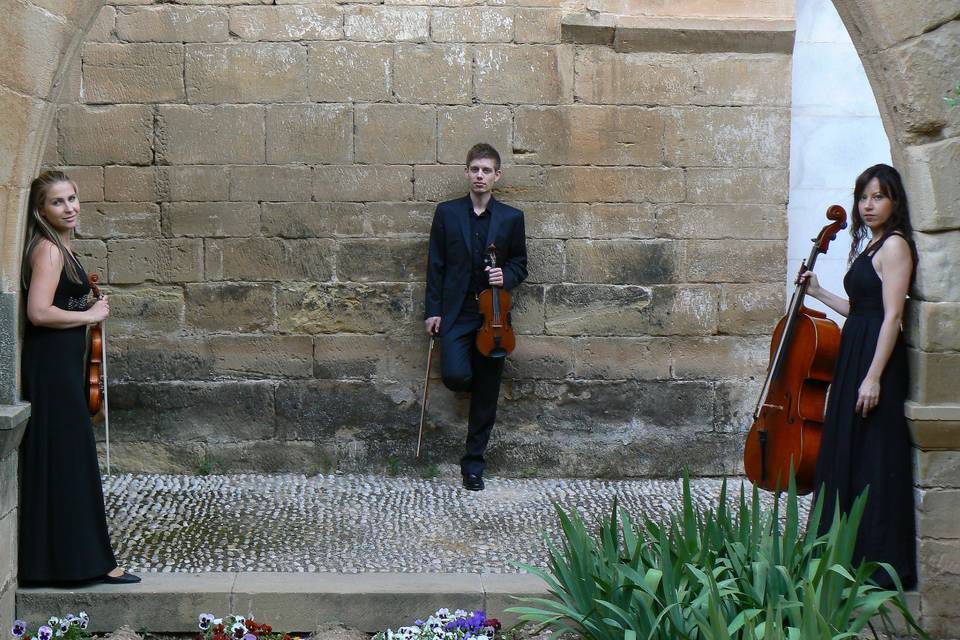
x=875, y=451
x=63, y=526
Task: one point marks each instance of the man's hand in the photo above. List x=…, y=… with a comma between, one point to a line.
x=432, y=325
x=495, y=276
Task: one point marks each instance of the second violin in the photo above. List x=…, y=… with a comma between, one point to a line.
x=495, y=339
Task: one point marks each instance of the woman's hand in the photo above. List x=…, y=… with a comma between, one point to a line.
x=813, y=285
x=868, y=396
x=99, y=311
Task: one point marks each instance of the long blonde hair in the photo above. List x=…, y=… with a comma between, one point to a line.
x=39, y=229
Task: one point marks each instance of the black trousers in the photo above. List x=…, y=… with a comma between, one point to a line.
x=464, y=369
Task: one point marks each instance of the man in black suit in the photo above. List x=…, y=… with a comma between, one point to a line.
x=456, y=273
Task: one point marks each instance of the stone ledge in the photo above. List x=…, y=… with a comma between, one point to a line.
x=13, y=422
x=169, y=603
x=629, y=34
x=934, y=426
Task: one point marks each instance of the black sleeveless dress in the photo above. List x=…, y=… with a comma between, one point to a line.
x=875, y=451
x=63, y=527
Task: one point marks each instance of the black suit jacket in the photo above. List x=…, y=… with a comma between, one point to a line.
x=449, y=262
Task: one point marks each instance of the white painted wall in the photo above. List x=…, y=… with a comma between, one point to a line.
x=835, y=134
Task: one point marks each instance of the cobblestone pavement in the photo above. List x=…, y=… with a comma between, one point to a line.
x=361, y=523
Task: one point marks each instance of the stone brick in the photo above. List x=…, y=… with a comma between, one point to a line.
x=939, y=469
x=229, y=306
x=362, y=183
x=938, y=272
x=604, y=76
x=537, y=26
x=261, y=72
x=610, y=310
x=734, y=409
x=936, y=513
x=339, y=307
x=262, y=259
x=176, y=260
x=720, y=358
x=711, y=261
x=747, y=309
x=133, y=73
x=933, y=376
x=120, y=220
x=930, y=179
x=545, y=261
x=194, y=183
x=933, y=326
x=90, y=183
x=588, y=135
x=432, y=74
x=582, y=220
x=444, y=182
x=119, y=134
x=630, y=220
x=390, y=133
x=311, y=219
x=309, y=133
x=217, y=412
x=262, y=356
x=528, y=309
x=381, y=260
x=172, y=23
x=333, y=72
x=211, y=219
x=19, y=129
x=130, y=184
x=28, y=68
x=545, y=357
x=210, y=135
x=622, y=359
x=287, y=23
x=744, y=79
x=387, y=24
x=505, y=74
x=93, y=256
x=608, y=184
x=104, y=27
x=764, y=222
x=727, y=137
x=743, y=185
x=397, y=218
x=472, y=24
x=641, y=262
x=346, y=356
x=160, y=358
x=276, y=183
x=459, y=128
x=146, y=310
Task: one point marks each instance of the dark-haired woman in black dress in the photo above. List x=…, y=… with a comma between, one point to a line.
x=63, y=528
x=866, y=442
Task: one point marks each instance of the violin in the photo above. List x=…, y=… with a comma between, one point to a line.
x=97, y=369
x=495, y=337
x=788, y=417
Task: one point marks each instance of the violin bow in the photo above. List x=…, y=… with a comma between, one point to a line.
x=426, y=389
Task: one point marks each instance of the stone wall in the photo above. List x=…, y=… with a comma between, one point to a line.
x=258, y=184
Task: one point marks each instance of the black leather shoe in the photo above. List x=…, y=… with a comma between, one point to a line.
x=472, y=482
x=125, y=578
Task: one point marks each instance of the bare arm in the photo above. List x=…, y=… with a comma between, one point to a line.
x=47, y=264
x=835, y=302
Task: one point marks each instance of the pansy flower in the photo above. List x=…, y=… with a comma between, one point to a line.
x=44, y=633
x=19, y=628
x=238, y=630
x=63, y=628
x=206, y=619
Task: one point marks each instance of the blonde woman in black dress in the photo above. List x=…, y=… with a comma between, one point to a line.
x=63, y=527
x=866, y=442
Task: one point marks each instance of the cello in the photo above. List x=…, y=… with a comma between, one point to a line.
x=97, y=369
x=788, y=417
x=495, y=338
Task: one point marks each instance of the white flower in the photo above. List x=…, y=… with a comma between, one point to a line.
x=53, y=621
x=443, y=613
x=83, y=614
x=460, y=613
x=217, y=621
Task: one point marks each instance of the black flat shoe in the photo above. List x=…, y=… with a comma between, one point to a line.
x=126, y=578
x=472, y=482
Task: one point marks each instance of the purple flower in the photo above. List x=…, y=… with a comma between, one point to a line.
x=249, y=636
x=206, y=619
x=19, y=628
x=44, y=633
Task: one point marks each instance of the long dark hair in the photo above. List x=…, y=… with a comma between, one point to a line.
x=39, y=229
x=891, y=185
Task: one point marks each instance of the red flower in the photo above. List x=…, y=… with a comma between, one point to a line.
x=493, y=622
x=250, y=624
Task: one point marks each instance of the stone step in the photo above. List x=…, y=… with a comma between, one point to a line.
x=294, y=602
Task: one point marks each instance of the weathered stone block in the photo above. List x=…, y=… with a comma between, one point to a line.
x=30, y=69
x=720, y=358
x=610, y=310
x=734, y=411
x=309, y=133
x=605, y=76
x=261, y=72
x=210, y=135
x=93, y=256
x=933, y=326
x=528, y=309
x=642, y=262
x=362, y=183
x=743, y=185
x=537, y=26
x=104, y=27
x=336, y=308
x=387, y=24
x=505, y=74
x=710, y=261
x=541, y=357
x=938, y=272
x=764, y=222
x=746, y=79
x=90, y=184
x=119, y=134
x=311, y=219
x=299, y=22
x=346, y=356
x=291, y=182
x=433, y=74
x=19, y=131
x=146, y=310
x=120, y=220
x=931, y=180
x=397, y=218
x=609, y=184
x=160, y=358
x=130, y=184
x=172, y=23
x=211, y=219
x=389, y=133
x=459, y=128
x=933, y=376
x=333, y=72
x=133, y=73
x=472, y=24
x=582, y=220
x=194, y=183
x=936, y=513
x=622, y=359
x=939, y=469
x=262, y=356
x=176, y=260
x=233, y=306
x=264, y=259
x=545, y=260
x=727, y=137
x=381, y=260
x=753, y=308
x=445, y=182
